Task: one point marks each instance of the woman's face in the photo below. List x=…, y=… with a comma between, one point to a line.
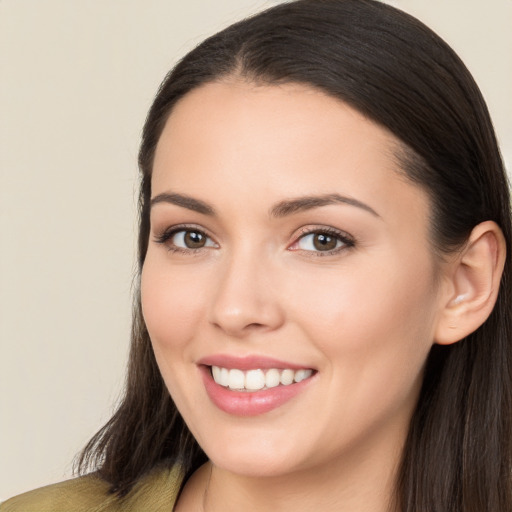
x=286, y=245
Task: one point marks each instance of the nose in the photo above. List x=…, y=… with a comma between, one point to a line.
x=246, y=299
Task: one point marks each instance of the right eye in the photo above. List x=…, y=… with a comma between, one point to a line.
x=180, y=239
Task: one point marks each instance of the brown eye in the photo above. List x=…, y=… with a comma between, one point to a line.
x=194, y=239
x=186, y=239
x=324, y=242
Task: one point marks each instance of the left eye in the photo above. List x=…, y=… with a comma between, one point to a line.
x=319, y=241
x=191, y=239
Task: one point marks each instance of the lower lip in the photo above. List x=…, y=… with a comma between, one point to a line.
x=249, y=403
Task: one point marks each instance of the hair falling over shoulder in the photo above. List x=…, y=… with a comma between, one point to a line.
x=397, y=72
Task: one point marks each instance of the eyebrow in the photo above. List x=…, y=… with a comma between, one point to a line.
x=187, y=202
x=291, y=206
x=281, y=209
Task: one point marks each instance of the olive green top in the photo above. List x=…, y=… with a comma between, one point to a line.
x=156, y=492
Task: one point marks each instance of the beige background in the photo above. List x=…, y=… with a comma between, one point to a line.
x=77, y=79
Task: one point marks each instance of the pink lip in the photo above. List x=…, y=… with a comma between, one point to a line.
x=247, y=362
x=244, y=403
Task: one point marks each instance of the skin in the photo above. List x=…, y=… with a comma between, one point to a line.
x=364, y=317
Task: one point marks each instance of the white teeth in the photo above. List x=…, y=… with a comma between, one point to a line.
x=224, y=377
x=301, y=375
x=236, y=379
x=287, y=377
x=272, y=378
x=254, y=380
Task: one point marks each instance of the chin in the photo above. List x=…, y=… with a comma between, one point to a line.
x=261, y=467
x=263, y=457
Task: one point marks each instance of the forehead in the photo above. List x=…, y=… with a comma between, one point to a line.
x=233, y=141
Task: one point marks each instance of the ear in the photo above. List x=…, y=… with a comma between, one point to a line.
x=472, y=284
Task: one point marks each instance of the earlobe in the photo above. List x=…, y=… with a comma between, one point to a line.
x=473, y=282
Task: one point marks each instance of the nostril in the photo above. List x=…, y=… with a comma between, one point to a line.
x=254, y=326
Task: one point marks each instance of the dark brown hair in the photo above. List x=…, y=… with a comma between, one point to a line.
x=397, y=72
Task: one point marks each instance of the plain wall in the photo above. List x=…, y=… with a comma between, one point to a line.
x=77, y=78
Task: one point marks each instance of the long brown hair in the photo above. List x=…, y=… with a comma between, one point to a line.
x=393, y=69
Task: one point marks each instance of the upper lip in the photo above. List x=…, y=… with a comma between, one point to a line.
x=250, y=362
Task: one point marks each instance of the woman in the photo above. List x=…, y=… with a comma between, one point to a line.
x=323, y=320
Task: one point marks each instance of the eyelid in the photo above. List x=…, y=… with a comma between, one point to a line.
x=165, y=235
x=348, y=241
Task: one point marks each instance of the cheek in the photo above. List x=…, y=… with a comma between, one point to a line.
x=376, y=323
x=172, y=307
x=383, y=294
x=171, y=304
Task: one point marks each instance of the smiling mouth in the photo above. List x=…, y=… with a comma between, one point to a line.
x=257, y=380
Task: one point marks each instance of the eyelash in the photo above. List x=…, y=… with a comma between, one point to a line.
x=347, y=241
x=169, y=233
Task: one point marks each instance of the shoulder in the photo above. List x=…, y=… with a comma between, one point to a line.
x=156, y=491
x=78, y=494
